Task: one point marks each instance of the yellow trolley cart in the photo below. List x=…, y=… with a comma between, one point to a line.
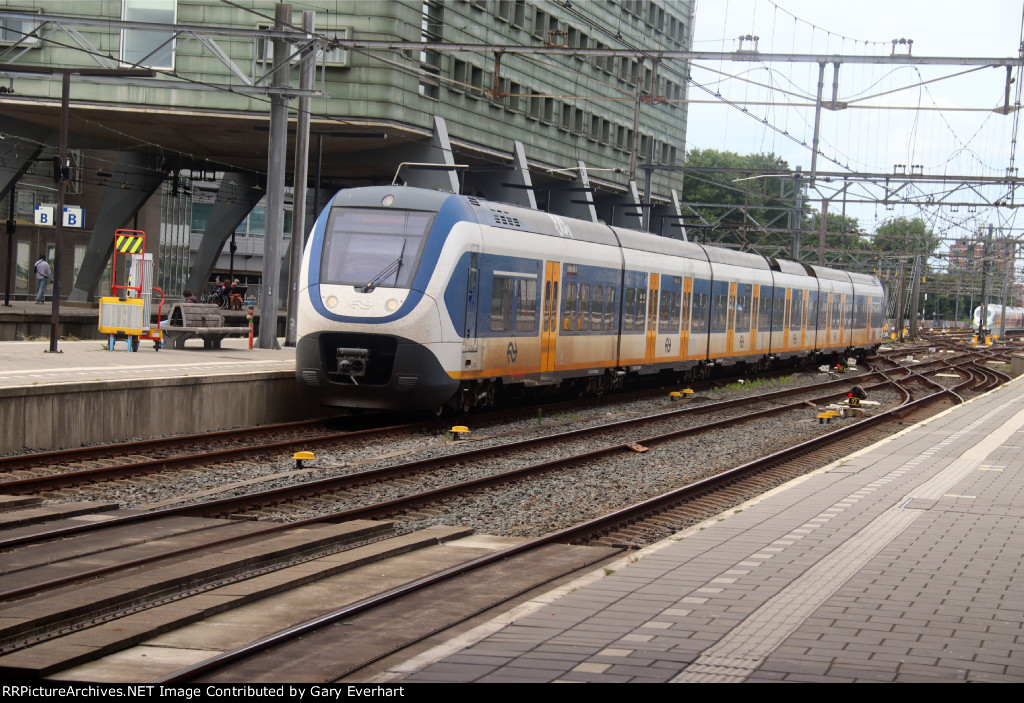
x=126, y=314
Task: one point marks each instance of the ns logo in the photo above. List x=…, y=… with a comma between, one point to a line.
x=512, y=352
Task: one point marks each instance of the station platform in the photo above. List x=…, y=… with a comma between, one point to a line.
x=87, y=394
x=900, y=563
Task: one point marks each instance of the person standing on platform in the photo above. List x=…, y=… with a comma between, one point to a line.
x=43, y=274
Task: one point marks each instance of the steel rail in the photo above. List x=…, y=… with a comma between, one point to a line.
x=408, y=502
x=567, y=535
x=61, y=480
x=274, y=496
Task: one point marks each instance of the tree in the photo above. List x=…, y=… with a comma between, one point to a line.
x=903, y=236
x=754, y=190
x=840, y=232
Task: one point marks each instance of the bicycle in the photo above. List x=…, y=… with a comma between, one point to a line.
x=214, y=296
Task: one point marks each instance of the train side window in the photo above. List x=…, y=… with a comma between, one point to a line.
x=764, y=311
x=836, y=310
x=547, y=307
x=699, y=317
x=743, y=305
x=664, y=311
x=686, y=310
x=641, y=305
x=675, y=312
x=569, y=291
x=719, y=313
x=627, y=309
x=796, y=309
x=596, y=311
x=609, y=308
x=526, y=306
x=584, y=306
x=778, y=309
x=812, y=309
x=501, y=304
x=554, y=306
x=860, y=311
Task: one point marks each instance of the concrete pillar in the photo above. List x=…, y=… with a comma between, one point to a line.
x=628, y=213
x=136, y=177
x=511, y=184
x=575, y=199
x=238, y=194
x=437, y=151
x=15, y=158
x=667, y=220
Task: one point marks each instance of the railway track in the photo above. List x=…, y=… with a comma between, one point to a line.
x=248, y=462
x=53, y=470
x=698, y=416
x=601, y=538
x=714, y=495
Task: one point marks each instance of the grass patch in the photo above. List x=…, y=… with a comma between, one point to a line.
x=757, y=383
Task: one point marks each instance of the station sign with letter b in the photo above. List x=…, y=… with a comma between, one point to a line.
x=74, y=216
x=44, y=215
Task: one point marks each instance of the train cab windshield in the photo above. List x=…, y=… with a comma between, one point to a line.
x=368, y=247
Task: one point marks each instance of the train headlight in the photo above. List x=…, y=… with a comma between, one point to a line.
x=391, y=305
x=387, y=200
x=331, y=301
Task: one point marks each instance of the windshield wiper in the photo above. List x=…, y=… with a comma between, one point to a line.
x=391, y=268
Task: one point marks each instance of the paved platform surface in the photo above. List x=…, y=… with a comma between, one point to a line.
x=901, y=562
x=30, y=363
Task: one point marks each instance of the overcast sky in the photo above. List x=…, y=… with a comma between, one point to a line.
x=947, y=141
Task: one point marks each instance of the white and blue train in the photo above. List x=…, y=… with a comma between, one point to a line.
x=419, y=299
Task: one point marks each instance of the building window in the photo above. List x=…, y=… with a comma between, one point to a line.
x=505, y=10
x=550, y=110
x=22, y=268
x=431, y=30
x=514, y=90
x=143, y=47
x=14, y=30
x=519, y=14
x=335, y=58
x=536, y=107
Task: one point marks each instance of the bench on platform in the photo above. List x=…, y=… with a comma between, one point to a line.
x=187, y=320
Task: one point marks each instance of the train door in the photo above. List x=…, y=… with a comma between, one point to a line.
x=469, y=336
x=745, y=337
x=652, y=318
x=787, y=320
x=798, y=324
x=684, y=340
x=549, y=324
x=833, y=319
x=730, y=325
x=844, y=322
x=755, y=303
